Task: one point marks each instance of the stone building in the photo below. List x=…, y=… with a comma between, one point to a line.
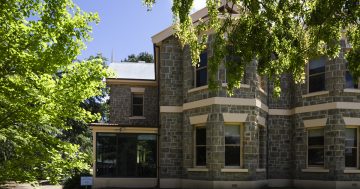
x=170, y=131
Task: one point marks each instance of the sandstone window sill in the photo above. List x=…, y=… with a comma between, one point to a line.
x=197, y=169
x=349, y=171
x=241, y=86
x=229, y=170
x=260, y=170
x=198, y=89
x=315, y=94
x=351, y=90
x=315, y=170
x=137, y=117
x=223, y=85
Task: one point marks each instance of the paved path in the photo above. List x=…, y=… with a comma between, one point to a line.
x=28, y=186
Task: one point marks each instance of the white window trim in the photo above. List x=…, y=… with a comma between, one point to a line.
x=354, y=90
x=132, y=106
x=197, y=167
x=258, y=138
x=241, y=125
x=313, y=167
x=308, y=81
x=205, y=67
x=357, y=148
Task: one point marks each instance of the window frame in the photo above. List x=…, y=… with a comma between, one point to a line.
x=195, y=146
x=198, y=68
x=307, y=147
x=241, y=145
x=260, y=143
x=132, y=104
x=117, y=164
x=358, y=83
x=357, y=147
x=308, y=74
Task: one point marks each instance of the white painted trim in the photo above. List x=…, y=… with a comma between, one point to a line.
x=259, y=104
x=198, y=89
x=171, y=109
x=352, y=121
x=137, y=117
x=315, y=170
x=314, y=122
x=137, y=89
x=234, y=117
x=348, y=105
x=225, y=170
x=150, y=130
x=350, y=171
x=170, y=30
x=242, y=85
x=199, y=119
x=317, y=107
x=225, y=101
x=281, y=112
x=351, y=90
x=197, y=169
x=315, y=94
x=261, y=120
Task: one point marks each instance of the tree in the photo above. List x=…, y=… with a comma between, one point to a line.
x=143, y=56
x=79, y=132
x=281, y=35
x=41, y=87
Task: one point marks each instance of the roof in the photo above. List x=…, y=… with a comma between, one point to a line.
x=133, y=70
x=169, y=31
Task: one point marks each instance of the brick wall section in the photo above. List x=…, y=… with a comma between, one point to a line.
x=121, y=107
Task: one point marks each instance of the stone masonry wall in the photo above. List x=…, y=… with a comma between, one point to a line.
x=334, y=130
x=121, y=110
x=171, y=82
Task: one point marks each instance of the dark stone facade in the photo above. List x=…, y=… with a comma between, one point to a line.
x=284, y=137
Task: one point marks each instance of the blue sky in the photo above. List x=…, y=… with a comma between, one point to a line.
x=126, y=26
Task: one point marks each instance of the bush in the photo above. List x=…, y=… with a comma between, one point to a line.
x=74, y=181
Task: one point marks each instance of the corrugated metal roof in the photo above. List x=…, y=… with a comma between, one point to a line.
x=133, y=70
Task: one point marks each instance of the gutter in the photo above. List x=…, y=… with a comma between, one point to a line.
x=157, y=77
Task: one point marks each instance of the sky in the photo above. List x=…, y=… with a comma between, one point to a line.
x=126, y=27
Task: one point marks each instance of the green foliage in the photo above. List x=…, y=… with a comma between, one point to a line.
x=281, y=35
x=74, y=181
x=143, y=56
x=79, y=132
x=41, y=87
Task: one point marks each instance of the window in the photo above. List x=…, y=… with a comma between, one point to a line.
x=315, y=147
x=350, y=82
x=201, y=71
x=200, y=146
x=126, y=155
x=351, y=147
x=317, y=75
x=137, y=104
x=233, y=146
x=262, y=147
